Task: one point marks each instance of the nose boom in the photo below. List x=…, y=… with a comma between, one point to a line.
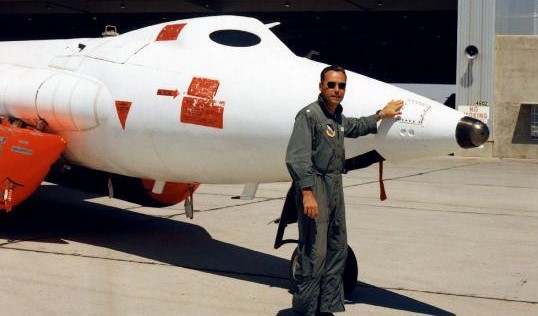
x=471, y=132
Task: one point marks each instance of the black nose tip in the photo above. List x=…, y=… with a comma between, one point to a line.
x=471, y=132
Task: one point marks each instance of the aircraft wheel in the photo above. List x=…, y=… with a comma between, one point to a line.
x=351, y=271
x=293, y=268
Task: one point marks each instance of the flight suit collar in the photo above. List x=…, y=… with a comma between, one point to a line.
x=323, y=106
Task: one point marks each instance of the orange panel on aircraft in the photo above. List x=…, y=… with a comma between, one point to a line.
x=199, y=107
x=203, y=112
x=170, y=32
x=25, y=159
x=203, y=87
x=173, y=192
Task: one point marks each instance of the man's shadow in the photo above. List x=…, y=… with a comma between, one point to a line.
x=59, y=215
x=372, y=295
x=365, y=293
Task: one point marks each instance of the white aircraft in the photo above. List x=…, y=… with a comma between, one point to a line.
x=442, y=93
x=203, y=100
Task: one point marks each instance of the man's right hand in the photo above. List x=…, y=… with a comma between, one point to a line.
x=309, y=203
x=393, y=108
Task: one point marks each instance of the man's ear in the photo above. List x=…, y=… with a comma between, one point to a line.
x=320, y=85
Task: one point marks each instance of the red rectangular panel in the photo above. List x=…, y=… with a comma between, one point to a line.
x=170, y=32
x=203, y=112
x=203, y=87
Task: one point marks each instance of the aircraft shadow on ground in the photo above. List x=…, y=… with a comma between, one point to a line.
x=58, y=215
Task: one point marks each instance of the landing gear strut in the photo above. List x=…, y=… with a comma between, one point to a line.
x=351, y=271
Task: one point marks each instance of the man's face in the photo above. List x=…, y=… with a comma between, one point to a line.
x=333, y=87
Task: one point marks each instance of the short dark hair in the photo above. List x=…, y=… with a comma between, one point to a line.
x=331, y=68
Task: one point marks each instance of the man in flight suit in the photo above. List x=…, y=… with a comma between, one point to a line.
x=315, y=159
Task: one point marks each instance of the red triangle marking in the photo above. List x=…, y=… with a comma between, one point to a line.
x=123, y=107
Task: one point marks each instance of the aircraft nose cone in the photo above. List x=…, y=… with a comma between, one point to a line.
x=471, y=132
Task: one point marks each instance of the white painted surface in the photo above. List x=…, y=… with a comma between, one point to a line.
x=262, y=87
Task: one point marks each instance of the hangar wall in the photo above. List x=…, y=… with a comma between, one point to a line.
x=516, y=96
x=474, y=70
x=499, y=83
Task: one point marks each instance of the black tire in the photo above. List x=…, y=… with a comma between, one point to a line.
x=351, y=272
x=293, y=267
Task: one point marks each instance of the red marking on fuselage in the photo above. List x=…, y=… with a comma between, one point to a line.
x=199, y=108
x=169, y=93
x=203, y=87
x=122, y=108
x=203, y=112
x=170, y=32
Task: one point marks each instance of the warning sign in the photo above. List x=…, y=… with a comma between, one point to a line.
x=479, y=111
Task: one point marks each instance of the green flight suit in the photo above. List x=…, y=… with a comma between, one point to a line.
x=315, y=158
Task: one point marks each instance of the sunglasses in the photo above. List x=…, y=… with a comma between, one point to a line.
x=332, y=85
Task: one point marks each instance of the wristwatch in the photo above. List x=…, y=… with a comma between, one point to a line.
x=379, y=114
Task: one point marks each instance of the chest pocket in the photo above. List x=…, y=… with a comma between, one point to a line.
x=327, y=144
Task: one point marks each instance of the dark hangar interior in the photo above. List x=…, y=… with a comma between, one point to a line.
x=396, y=41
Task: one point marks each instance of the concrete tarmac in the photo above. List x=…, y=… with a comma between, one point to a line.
x=457, y=236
